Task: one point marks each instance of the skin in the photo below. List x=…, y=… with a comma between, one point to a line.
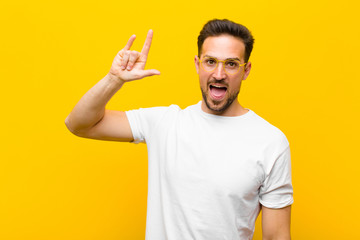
x=275, y=222
x=90, y=119
x=222, y=47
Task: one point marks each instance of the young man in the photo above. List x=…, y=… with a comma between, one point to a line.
x=212, y=166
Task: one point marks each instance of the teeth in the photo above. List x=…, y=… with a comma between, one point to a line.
x=217, y=86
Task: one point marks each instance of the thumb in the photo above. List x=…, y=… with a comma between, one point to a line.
x=149, y=72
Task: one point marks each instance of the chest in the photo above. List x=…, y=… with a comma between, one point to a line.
x=216, y=161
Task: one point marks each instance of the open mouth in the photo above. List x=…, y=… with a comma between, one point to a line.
x=217, y=92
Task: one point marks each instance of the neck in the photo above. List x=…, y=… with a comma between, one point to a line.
x=234, y=110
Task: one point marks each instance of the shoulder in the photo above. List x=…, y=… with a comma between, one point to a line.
x=144, y=121
x=270, y=132
x=156, y=111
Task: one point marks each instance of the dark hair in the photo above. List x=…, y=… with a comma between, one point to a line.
x=217, y=27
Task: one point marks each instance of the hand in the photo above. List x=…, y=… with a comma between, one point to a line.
x=130, y=65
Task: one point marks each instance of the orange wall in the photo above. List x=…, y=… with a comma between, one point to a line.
x=304, y=79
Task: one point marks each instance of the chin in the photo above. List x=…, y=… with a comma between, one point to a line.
x=218, y=107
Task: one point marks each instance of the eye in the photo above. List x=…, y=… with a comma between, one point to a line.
x=210, y=61
x=232, y=64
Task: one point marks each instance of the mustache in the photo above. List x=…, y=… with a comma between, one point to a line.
x=221, y=81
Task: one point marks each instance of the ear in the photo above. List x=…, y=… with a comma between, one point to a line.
x=247, y=70
x=197, y=64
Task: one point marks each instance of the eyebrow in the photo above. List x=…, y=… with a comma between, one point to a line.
x=225, y=59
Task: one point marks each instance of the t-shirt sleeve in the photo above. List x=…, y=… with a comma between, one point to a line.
x=145, y=120
x=277, y=191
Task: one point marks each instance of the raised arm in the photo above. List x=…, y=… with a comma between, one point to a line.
x=89, y=118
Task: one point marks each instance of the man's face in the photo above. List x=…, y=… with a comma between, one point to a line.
x=219, y=88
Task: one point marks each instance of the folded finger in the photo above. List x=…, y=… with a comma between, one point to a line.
x=125, y=59
x=132, y=59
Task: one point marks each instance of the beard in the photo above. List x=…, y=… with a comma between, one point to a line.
x=218, y=107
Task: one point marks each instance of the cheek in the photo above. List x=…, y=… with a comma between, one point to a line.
x=235, y=84
x=203, y=77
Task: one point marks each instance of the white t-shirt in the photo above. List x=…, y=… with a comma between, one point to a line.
x=208, y=174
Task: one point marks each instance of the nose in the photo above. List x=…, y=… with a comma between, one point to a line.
x=219, y=72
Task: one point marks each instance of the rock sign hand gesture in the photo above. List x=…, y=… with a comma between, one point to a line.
x=129, y=65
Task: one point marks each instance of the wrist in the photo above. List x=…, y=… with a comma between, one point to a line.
x=112, y=79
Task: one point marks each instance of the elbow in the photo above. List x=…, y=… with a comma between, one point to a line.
x=74, y=129
x=70, y=128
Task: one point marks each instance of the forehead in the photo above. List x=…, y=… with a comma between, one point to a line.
x=223, y=46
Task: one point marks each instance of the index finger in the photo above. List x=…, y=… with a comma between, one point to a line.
x=130, y=42
x=147, y=44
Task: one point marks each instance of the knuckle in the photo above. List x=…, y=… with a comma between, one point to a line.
x=135, y=53
x=125, y=57
x=125, y=52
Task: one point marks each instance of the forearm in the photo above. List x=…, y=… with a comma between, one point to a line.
x=91, y=107
x=90, y=110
